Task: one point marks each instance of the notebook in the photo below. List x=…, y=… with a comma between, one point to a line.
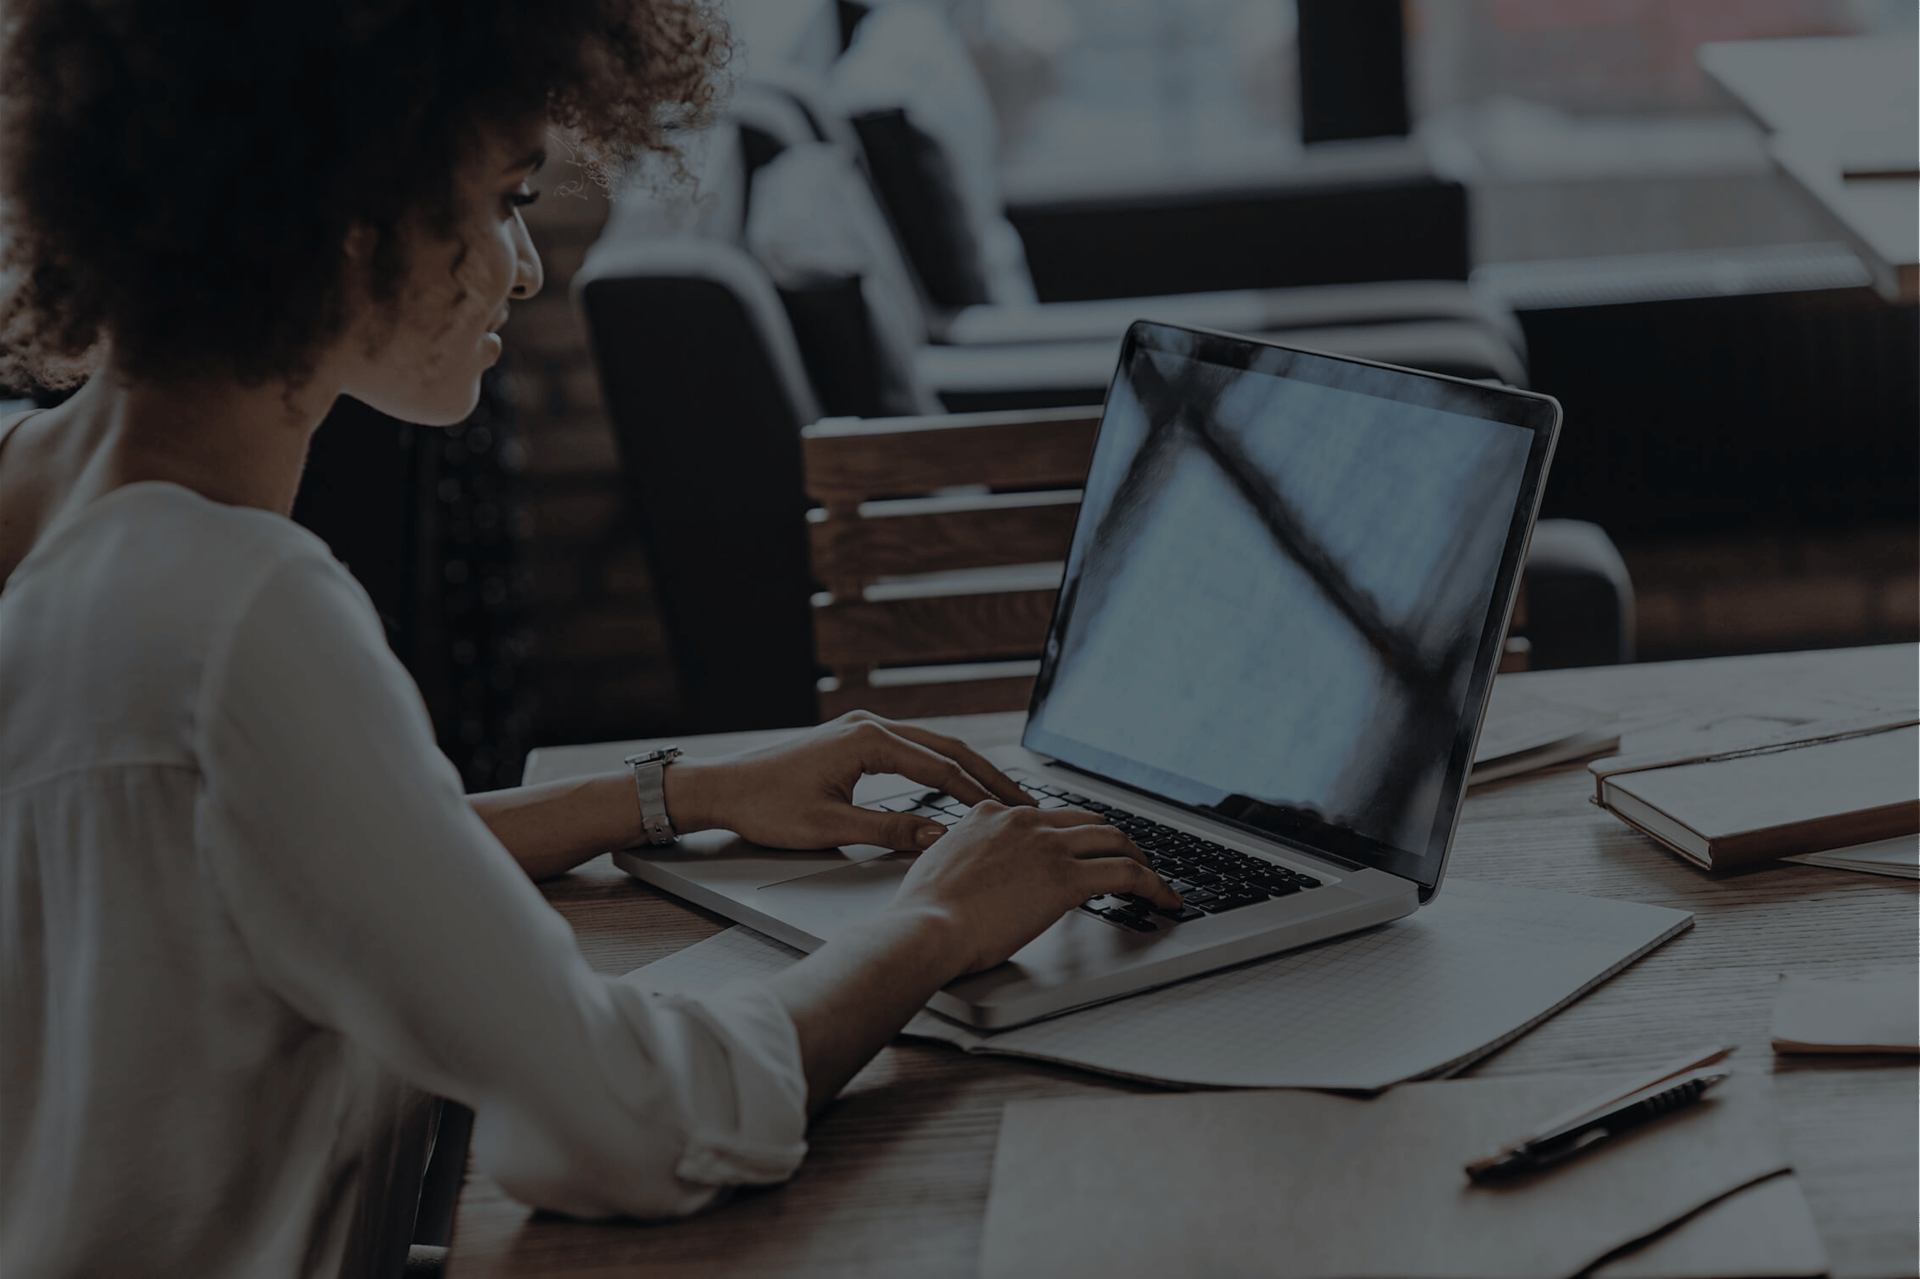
x=1424, y=996
x=1286, y=594
x=1829, y=787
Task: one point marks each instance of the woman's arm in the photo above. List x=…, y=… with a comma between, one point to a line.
x=798, y=794
x=986, y=888
x=553, y=827
x=372, y=899
x=995, y=882
x=998, y=878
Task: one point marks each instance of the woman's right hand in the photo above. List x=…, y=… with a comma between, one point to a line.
x=1002, y=875
x=995, y=881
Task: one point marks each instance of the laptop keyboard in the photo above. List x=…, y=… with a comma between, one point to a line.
x=1210, y=877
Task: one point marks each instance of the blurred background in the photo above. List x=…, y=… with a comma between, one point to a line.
x=931, y=206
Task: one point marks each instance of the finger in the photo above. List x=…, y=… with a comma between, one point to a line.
x=885, y=751
x=1068, y=817
x=1123, y=875
x=898, y=831
x=997, y=783
x=1099, y=840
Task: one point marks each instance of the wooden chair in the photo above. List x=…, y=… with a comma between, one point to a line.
x=940, y=543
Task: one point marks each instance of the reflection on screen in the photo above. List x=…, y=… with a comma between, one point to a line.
x=1275, y=596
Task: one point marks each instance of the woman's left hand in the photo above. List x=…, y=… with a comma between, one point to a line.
x=800, y=794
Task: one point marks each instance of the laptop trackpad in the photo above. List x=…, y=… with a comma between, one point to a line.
x=827, y=901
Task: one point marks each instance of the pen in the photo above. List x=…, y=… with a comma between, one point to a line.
x=1587, y=1112
x=1565, y=1140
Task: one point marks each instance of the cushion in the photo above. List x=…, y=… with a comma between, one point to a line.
x=915, y=178
x=932, y=144
x=812, y=225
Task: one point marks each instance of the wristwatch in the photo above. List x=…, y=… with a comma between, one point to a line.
x=649, y=775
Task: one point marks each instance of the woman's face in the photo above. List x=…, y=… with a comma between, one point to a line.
x=422, y=361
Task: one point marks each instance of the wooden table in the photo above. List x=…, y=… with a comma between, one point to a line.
x=896, y=1183
x=1833, y=104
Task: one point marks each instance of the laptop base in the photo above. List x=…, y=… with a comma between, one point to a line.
x=804, y=899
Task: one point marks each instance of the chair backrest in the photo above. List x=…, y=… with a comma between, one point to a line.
x=913, y=96
x=940, y=543
x=814, y=227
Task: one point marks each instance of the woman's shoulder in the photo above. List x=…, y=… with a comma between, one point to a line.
x=156, y=559
x=127, y=609
x=156, y=527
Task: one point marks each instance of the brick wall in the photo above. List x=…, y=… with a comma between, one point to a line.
x=602, y=669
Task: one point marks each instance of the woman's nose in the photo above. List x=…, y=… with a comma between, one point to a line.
x=528, y=275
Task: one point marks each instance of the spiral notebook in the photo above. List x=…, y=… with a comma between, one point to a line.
x=1422, y=997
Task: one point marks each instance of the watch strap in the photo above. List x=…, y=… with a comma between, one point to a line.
x=649, y=778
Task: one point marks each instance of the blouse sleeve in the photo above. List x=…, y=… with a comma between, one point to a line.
x=376, y=903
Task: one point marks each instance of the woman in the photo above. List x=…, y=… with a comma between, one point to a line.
x=249, y=918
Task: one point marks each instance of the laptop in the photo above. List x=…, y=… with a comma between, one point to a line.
x=1287, y=593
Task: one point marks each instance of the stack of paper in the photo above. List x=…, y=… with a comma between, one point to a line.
x=1899, y=857
x=1522, y=733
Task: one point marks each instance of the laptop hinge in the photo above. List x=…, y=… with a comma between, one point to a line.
x=1344, y=863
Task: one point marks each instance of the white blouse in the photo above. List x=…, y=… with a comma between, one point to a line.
x=247, y=916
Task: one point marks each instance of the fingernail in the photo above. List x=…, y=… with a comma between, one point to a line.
x=927, y=835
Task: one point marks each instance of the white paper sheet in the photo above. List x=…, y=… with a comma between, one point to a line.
x=1899, y=857
x=1518, y=721
x=1875, y=1012
x=1420, y=997
x=1289, y=1184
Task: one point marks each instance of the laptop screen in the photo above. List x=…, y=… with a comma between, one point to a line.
x=1285, y=595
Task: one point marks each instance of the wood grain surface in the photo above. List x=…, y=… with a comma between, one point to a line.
x=935, y=628
x=857, y=550
x=916, y=701
x=849, y=460
x=905, y=498
x=897, y=1180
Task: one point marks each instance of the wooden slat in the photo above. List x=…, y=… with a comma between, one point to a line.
x=917, y=701
x=940, y=628
x=849, y=460
x=858, y=550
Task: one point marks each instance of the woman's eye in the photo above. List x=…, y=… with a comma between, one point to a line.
x=522, y=198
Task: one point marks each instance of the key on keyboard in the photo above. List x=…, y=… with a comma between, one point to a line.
x=1210, y=877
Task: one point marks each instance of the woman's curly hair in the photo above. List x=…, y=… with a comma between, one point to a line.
x=183, y=174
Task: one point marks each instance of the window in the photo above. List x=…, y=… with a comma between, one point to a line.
x=1585, y=126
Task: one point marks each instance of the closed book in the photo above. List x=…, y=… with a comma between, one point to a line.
x=1847, y=784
